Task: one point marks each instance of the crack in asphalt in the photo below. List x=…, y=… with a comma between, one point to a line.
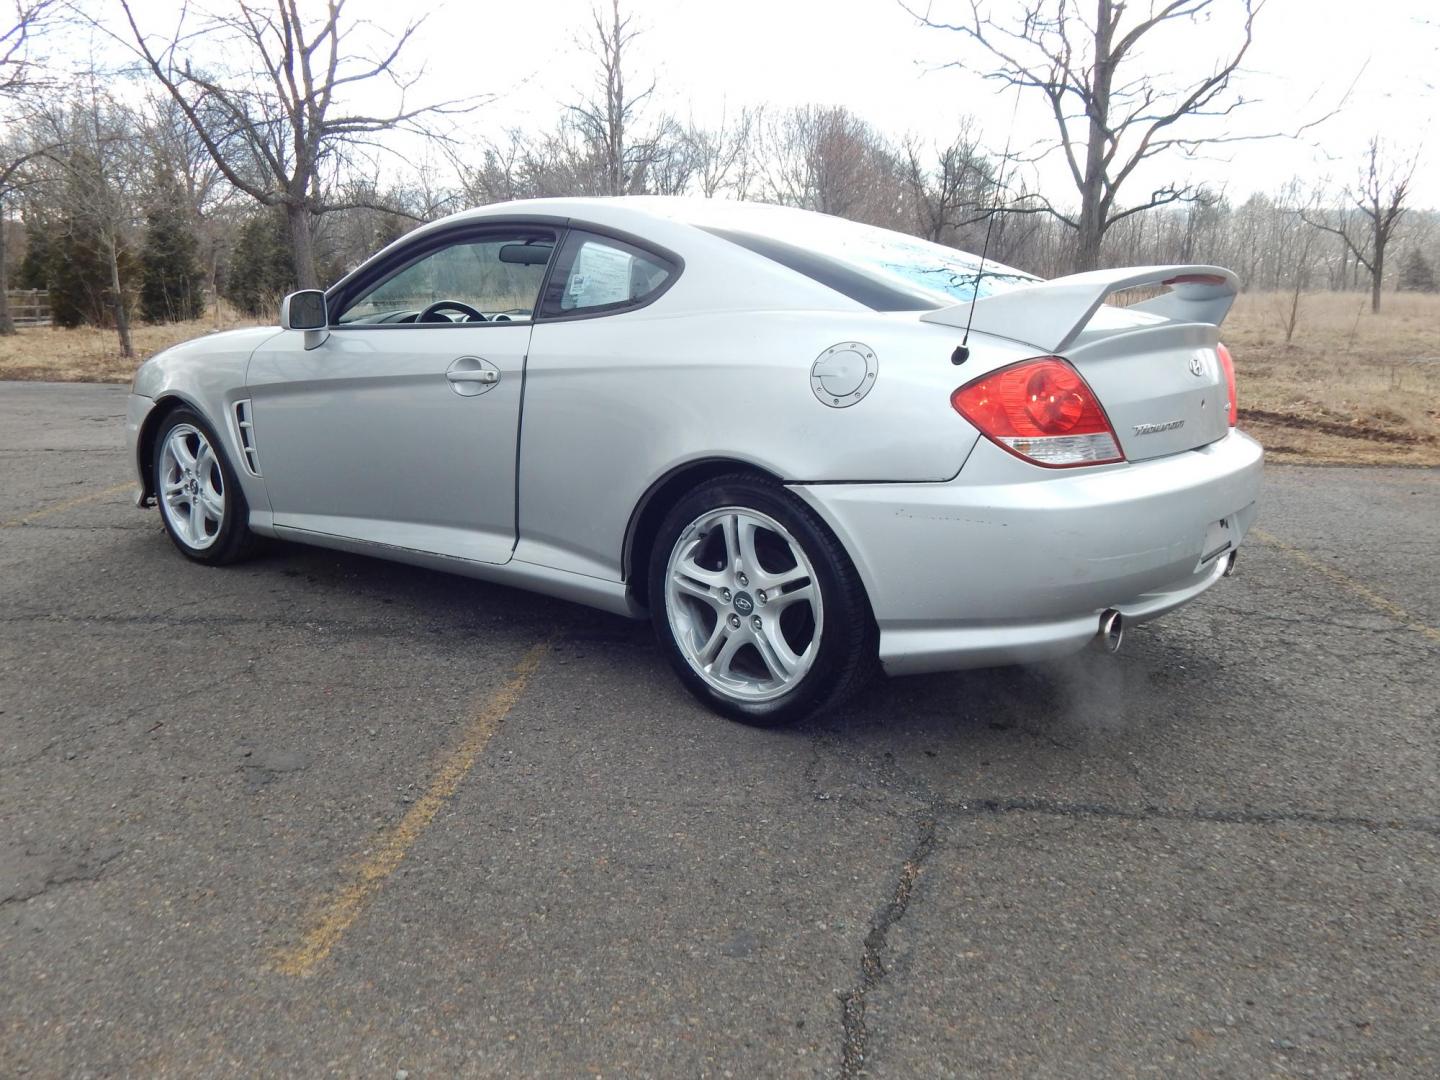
x=31, y=757
x=855, y=1030
x=86, y=868
x=855, y=1034
x=110, y=450
x=135, y=527
x=332, y=629
x=1209, y=816
x=921, y=788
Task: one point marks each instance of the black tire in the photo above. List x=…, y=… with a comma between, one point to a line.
x=233, y=541
x=846, y=656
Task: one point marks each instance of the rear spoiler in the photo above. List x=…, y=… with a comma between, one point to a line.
x=1051, y=314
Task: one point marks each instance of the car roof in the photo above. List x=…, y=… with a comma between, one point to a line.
x=615, y=209
x=634, y=212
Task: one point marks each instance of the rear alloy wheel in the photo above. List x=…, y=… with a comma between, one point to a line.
x=758, y=606
x=201, y=504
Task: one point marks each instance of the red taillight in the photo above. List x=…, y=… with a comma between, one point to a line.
x=1228, y=363
x=1041, y=410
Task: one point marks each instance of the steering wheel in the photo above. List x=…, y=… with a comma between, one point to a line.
x=452, y=305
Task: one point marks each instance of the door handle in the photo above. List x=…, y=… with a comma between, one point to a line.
x=481, y=376
x=471, y=376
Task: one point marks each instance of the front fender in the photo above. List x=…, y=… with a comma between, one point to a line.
x=206, y=374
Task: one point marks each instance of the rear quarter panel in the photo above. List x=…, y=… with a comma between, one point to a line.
x=614, y=404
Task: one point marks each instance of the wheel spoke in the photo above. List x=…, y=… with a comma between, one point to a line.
x=745, y=529
x=778, y=602
x=180, y=450
x=733, y=643
x=730, y=526
x=707, y=653
x=690, y=583
x=197, y=520
x=776, y=652
x=773, y=583
x=213, y=504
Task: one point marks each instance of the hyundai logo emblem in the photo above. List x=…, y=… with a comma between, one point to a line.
x=743, y=604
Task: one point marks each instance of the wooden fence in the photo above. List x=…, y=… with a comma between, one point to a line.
x=30, y=307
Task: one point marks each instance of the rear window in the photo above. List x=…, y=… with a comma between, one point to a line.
x=598, y=275
x=884, y=270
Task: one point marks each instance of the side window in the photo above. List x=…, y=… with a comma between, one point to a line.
x=596, y=274
x=495, y=278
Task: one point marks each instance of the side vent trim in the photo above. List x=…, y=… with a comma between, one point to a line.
x=244, y=421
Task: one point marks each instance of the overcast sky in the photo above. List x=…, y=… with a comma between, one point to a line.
x=871, y=56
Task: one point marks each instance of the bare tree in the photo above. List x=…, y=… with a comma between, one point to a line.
x=1379, y=193
x=17, y=63
x=950, y=194
x=528, y=167
x=828, y=159
x=724, y=155
x=180, y=163
x=605, y=145
x=18, y=85
x=16, y=157
x=1297, y=256
x=276, y=127
x=99, y=165
x=1111, y=114
x=500, y=175
x=606, y=120
x=671, y=162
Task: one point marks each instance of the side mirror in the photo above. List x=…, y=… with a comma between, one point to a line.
x=305, y=310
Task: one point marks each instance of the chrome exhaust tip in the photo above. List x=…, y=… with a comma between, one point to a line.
x=1230, y=563
x=1112, y=631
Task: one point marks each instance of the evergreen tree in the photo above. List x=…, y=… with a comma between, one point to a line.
x=1417, y=275
x=80, y=289
x=65, y=255
x=171, y=282
x=262, y=267
x=36, y=267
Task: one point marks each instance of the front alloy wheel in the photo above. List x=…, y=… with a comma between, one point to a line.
x=201, y=503
x=191, y=487
x=757, y=604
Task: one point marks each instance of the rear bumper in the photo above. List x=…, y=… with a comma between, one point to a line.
x=1010, y=563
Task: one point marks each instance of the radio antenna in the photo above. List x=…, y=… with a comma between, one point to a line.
x=960, y=355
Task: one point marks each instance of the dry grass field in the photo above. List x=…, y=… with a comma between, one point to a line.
x=1350, y=387
x=91, y=355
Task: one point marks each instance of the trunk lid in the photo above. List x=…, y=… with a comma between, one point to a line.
x=1153, y=366
x=1160, y=382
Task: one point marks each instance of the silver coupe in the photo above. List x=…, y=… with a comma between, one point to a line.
x=803, y=448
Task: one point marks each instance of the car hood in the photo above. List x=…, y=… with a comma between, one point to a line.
x=245, y=337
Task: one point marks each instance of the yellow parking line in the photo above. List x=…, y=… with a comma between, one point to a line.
x=55, y=508
x=336, y=914
x=1364, y=592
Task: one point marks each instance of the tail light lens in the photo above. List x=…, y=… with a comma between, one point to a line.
x=1041, y=410
x=1228, y=363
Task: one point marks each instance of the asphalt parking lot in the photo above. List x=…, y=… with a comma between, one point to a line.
x=324, y=815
